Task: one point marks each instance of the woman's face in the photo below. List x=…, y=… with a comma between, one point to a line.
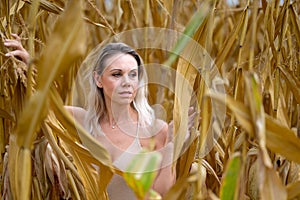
x=119, y=80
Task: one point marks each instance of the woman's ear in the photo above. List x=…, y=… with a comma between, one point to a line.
x=97, y=79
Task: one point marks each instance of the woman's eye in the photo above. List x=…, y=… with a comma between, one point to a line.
x=117, y=74
x=133, y=74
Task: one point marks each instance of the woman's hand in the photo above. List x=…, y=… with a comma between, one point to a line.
x=192, y=114
x=18, y=50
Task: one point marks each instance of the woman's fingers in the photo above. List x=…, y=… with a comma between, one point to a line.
x=191, y=120
x=191, y=110
x=18, y=54
x=17, y=49
x=13, y=44
x=16, y=37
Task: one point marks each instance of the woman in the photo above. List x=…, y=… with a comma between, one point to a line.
x=119, y=117
x=118, y=114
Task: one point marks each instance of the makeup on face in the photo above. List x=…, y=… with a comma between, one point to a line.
x=120, y=78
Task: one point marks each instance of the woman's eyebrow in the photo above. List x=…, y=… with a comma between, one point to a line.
x=115, y=69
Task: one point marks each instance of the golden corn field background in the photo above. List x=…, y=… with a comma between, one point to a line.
x=255, y=47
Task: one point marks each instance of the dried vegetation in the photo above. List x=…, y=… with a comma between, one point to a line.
x=255, y=45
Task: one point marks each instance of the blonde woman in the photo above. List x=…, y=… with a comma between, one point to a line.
x=119, y=117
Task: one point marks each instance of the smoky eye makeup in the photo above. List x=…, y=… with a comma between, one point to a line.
x=116, y=72
x=133, y=73
x=119, y=72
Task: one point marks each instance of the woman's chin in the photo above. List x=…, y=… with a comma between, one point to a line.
x=123, y=101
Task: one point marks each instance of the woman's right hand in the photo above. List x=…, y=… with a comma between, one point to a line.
x=18, y=50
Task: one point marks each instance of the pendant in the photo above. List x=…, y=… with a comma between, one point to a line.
x=113, y=126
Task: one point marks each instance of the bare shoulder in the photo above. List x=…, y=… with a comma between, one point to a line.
x=160, y=124
x=162, y=133
x=77, y=112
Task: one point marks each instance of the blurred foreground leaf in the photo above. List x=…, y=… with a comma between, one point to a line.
x=53, y=62
x=141, y=172
x=186, y=77
x=229, y=185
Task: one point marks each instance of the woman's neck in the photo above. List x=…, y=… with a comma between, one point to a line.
x=120, y=113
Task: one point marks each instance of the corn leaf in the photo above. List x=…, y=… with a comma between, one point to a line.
x=141, y=172
x=230, y=182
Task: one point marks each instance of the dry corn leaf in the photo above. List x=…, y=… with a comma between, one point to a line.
x=257, y=115
x=252, y=186
x=279, y=139
x=39, y=176
x=70, y=39
x=178, y=189
x=185, y=79
x=227, y=46
x=182, y=93
x=57, y=149
x=293, y=190
x=293, y=82
x=272, y=188
x=83, y=160
x=103, y=159
x=241, y=112
x=295, y=23
x=48, y=6
x=74, y=186
x=55, y=62
x=67, y=120
x=5, y=115
x=282, y=140
x=29, y=123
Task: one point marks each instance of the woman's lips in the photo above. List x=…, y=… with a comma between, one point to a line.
x=125, y=94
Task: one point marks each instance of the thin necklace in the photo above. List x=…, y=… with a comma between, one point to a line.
x=114, y=124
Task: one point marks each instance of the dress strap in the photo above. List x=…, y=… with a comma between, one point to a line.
x=137, y=139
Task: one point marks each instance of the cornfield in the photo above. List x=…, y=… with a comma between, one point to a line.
x=245, y=141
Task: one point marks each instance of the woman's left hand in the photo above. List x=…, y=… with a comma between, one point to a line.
x=191, y=118
x=18, y=50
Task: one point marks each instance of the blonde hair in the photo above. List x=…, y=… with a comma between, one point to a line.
x=95, y=103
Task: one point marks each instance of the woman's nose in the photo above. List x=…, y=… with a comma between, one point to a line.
x=126, y=81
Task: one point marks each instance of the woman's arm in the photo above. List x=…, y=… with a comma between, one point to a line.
x=166, y=175
x=77, y=112
x=165, y=145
